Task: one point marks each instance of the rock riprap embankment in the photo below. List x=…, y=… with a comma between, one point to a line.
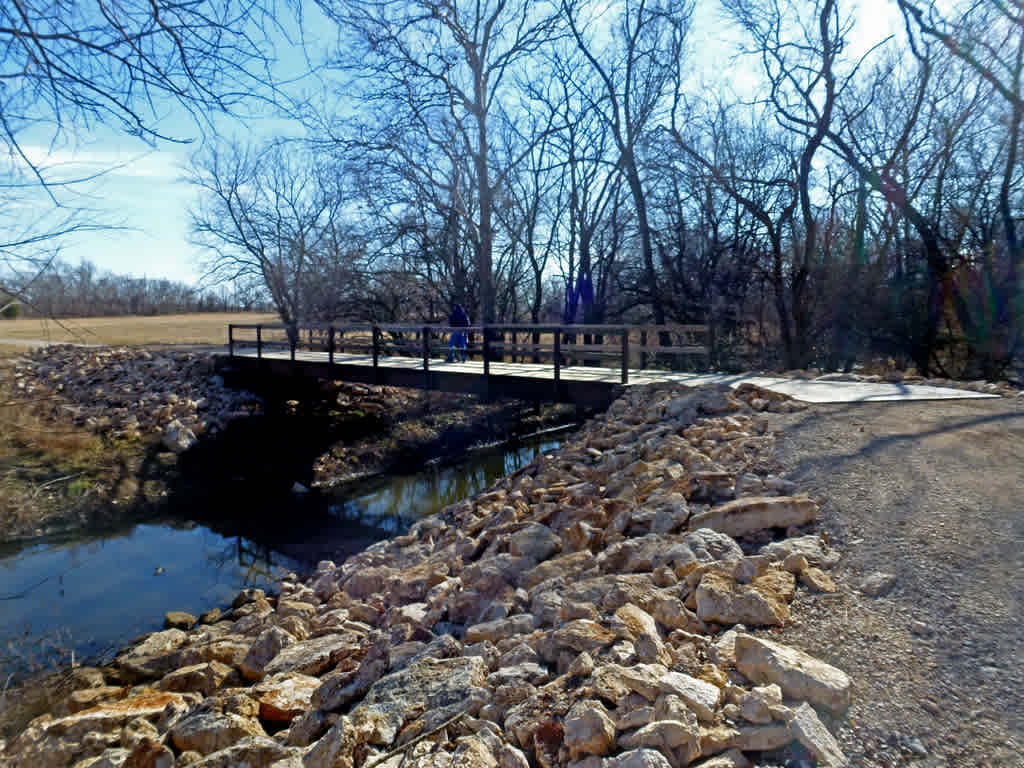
x=592, y=609
x=132, y=393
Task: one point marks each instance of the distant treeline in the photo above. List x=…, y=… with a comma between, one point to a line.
x=83, y=290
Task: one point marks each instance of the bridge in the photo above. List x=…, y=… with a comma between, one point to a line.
x=582, y=364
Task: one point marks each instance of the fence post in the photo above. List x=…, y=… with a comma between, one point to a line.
x=487, y=351
x=625, y=355
x=376, y=350
x=643, y=354
x=231, y=340
x=558, y=355
x=330, y=346
x=259, y=342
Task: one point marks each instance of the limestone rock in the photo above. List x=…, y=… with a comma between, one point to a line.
x=568, y=566
x=638, y=758
x=583, y=635
x=800, y=675
x=438, y=689
x=309, y=727
x=640, y=629
x=63, y=741
x=700, y=696
x=722, y=600
x=878, y=584
x=149, y=753
x=208, y=732
x=251, y=751
x=203, y=678
x=153, y=657
x=817, y=579
x=535, y=541
x=284, y=696
x=588, y=730
x=311, y=657
x=177, y=437
x=211, y=616
x=731, y=758
x=179, y=620
x=754, y=513
x=812, y=733
x=750, y=738
x=811, y=547
x=270, y=642
x=499, y=629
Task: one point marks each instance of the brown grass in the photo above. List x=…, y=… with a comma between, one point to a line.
x=198, y=328
x=52, y=472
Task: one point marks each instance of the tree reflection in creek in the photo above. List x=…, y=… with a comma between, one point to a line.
x=394, y=503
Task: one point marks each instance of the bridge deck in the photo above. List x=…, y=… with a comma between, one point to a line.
x=582, y=384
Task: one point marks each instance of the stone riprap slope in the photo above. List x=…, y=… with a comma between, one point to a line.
x=594, y=609
x=132, y=393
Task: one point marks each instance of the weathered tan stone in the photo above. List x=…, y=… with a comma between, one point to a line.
x=270, y=642
x=699, y=696
x=731, y=758
x=640, y=629
x=500, y=629
x=207, y=732
x=812, y=733
x=588, y=730
x=800, y=675
x=284, y=696
x=202, y=678
x=663, y=735
x=722, y=600
x=179, y=620
x=754, y=513
x=817, y=579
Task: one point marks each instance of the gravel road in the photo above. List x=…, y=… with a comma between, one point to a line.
x=932, y=493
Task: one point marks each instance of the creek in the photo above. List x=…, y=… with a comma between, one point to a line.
x=82, y=596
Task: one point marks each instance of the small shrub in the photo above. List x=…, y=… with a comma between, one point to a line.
x=11, y=311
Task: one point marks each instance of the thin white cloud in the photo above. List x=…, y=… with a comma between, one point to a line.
x=73, y=162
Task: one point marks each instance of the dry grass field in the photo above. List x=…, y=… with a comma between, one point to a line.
x=199, y=328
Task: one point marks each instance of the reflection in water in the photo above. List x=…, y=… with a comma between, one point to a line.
x=396, y=502
x=89, y=594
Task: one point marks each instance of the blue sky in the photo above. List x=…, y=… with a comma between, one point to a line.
x=146, y=195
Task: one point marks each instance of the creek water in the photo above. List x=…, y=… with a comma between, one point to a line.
x=90, y=593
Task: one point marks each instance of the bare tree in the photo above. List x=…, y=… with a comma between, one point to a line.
x=637, y=69
x=271, y=215
x=69, y=66
x=425, y=59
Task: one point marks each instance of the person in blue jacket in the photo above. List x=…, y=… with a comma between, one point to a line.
x=457, y=340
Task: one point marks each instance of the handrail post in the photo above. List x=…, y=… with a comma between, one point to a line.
x=487, y=351
x=231, y=340
x=625, y=355
x=558, y=355
x=330, y=346
x=643, y=354
x=426, y=347
x=293, y=338
x=376, y=350
x=259, y=342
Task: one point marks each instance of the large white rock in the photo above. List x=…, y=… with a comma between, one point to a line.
x=800, y=675
x=755, y=513
x=588, y=730
x=637, y=758
x=700, y=696
x=812, y=733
